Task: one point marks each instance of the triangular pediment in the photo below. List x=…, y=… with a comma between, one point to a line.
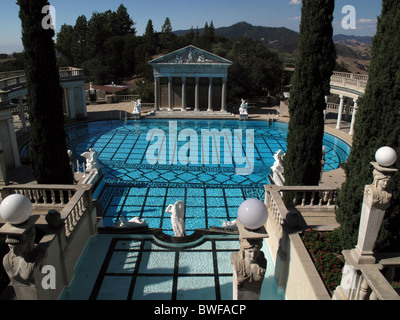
x=190, y=54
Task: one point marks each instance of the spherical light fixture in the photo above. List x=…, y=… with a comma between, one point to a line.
x=386, y=156
x=16, y=209
x=253, y=214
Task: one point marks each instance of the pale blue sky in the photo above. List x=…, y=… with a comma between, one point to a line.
x=186, y=13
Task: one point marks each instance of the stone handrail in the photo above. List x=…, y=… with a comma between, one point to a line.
x=75, y=199
x=304, y=196
x=374, y=286
x=10, y=80
x=357, y=82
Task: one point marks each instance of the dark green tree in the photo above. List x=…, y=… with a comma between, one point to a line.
x=314, y=66
x=48, y=149
x=255, y=71
x=377, y=125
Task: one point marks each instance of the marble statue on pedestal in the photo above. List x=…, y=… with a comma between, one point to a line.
x=137, y=108
x=243, y=108
x=177, y=212
x=277, y=169
x=91, y=157
x=249, y=267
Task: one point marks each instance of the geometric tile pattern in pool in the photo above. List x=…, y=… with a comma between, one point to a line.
x=142, y=269
x=134, y=186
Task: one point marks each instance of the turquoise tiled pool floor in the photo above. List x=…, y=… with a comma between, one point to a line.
x=140, y=268
x=213, y=191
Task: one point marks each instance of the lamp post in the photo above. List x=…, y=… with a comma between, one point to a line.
x=249, y=264
x=376, y=200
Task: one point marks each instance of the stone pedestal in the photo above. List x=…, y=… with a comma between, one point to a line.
x=21, y=262
x=249, y=264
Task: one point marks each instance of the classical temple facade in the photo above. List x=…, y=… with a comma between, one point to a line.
x=190, y=79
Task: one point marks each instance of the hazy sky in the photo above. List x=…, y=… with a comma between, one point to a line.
x=184, y=14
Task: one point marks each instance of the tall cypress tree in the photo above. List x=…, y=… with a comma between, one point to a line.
x=314, y=67
x=47, y=137
x=377, y=125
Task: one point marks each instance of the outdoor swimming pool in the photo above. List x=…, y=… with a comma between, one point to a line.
x=212, y=165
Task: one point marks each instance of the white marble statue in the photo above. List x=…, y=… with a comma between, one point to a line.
x=278, y=156
x=91, y=157
x=132, y=223
x=177, y=212
x=243, y=107
x=137, y=108
x=229, y=224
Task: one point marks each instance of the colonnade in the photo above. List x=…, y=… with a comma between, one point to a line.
x=340, y=113
x=211, y=91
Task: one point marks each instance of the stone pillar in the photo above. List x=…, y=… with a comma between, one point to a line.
x=339, y=119
x=196, y=95
x=72, y=108
x=376, y=201
x=249, y=265
x=223, y=98
x=23, y=260
x=353, y=117
x=3, y=168
x=156, y=93
x=84, y=104
x=183, y=94
x=210, y=108
x=22, y=114
x=170, y=107
x=14, y=143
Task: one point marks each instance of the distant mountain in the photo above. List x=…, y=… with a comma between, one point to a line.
x=354, y=52
x=281, y=39
x=341, y=38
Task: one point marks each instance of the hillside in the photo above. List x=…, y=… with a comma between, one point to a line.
x=353, y=51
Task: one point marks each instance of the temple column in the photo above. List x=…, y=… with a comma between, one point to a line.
x=14, y=143
x=156, y=94
x=183, y=94
x=353, y=117
x=170, y=94
x=22, y=114
x=210, y=109
x=196, y=95
x=223, y=99
x=339, y=119
x=72, y=114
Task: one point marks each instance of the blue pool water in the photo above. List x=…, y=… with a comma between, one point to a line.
x=138, y=267
x=149, y=164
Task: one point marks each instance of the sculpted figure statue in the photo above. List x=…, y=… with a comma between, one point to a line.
x=91, y=157
x=243, y=107
x=177, y=218
x=20, y=262
x=132, y=223
x=380, y=196
x=137, y=108
x=249, y=267
x=278, y=156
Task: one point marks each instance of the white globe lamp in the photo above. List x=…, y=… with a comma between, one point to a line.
x=253, y=214
x=16, y=209
x=386, y=156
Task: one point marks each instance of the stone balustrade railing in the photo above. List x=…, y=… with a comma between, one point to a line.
x=312, y=197
x=73, y=200
x=357, y=82
x=10, y=80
